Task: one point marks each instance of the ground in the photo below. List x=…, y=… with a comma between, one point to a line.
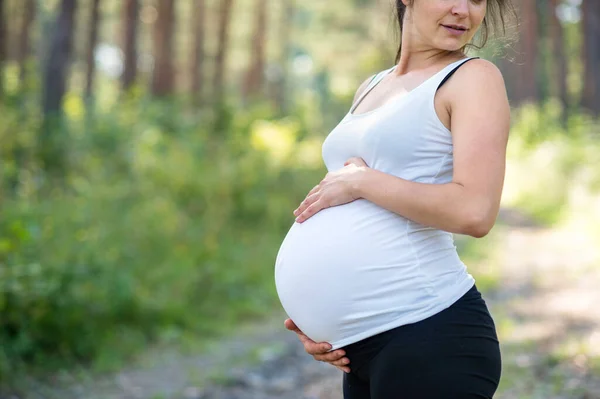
x=542, y=289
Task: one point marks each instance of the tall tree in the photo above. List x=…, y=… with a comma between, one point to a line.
x=54, y=86
x=130, y=25
x=58, y=57
x=162, y=77
x=285, y=37
x=591, y=55
x=559, y=58
x=528, y=45
x=91, y=46
x=24, y=49
x=3, y=43
x=254, y=76
x=197, y=62
x=222, y=49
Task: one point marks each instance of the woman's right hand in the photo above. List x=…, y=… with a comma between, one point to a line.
x=319, y=351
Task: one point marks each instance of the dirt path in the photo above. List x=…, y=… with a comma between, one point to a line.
x=546, y=307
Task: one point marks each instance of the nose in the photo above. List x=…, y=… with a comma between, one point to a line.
x=460, y=8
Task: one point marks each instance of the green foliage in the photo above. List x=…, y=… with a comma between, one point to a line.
x=548, y=163
x=162, y=226
x=166, y=225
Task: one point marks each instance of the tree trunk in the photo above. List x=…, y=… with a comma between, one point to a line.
x=543, y=48
x=560, y=66
x=528, y=48
x=222, y=49
x=254, y=76
x=197, y=63
x=510, y=73
x=54, y=86
x=24, y=52
x=91, y=46
x=591, y=55
x=130, y=24
x=162, y=78
x=3, y=44
x=58, y=56
x=285, y=35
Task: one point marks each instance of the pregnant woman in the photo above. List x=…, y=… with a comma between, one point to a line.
x=368, y=273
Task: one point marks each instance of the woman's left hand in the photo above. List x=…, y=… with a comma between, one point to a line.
x=336, y=188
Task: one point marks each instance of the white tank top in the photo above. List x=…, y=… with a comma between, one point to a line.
x=355, y=270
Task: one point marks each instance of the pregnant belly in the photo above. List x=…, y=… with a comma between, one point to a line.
x=346, y=268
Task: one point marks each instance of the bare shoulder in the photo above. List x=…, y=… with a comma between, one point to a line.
x=362, y=88
x=481, y=75
x=477, y=94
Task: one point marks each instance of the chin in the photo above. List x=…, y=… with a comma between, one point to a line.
x=450, y=45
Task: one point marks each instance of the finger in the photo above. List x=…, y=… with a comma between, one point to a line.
x=344, y=369
x=330, y=356
x=311, y=346
x=308, y=201
x=310, y=211
x=304, y=339
x=356, y=161
x=290, y=325
x=316, y=349
x=351, y=160
x=315, y=189
x=293, y=327
x=341, y=363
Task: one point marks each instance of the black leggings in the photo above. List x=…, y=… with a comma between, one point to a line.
x=454, y=354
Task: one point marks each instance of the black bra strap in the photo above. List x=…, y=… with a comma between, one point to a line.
x=452, y=72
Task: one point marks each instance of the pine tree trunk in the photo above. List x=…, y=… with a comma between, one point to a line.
x=510, y=74
x=58, y=57
x=24, y=52
x=254, y=76
x=197, y=63
x=222, y=50
x=560, y=65
x=3, y=44
x=54, y=87
x=591, y=55
x=528, y=45
x=91, y=46
x=285, y=36
x=162, y=78
x=130, y=25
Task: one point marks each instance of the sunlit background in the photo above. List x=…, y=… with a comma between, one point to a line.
x=152, y=153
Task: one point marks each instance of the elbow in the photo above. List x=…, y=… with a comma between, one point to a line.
x=478, y=231
x=478, y=224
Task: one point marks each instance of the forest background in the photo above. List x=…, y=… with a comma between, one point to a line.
x=152, y=152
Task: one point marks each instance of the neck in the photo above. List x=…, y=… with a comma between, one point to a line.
x=417, y=55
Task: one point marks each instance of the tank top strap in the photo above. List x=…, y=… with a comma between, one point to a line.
x=442, y=76
x=374, y=81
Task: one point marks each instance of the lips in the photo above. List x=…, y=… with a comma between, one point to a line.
x=456, y=27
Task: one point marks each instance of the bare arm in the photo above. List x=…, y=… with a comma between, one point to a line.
x=480, y=118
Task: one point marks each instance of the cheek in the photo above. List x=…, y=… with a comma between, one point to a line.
x=429, y=27
x=477, y=15
x=429, y=13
